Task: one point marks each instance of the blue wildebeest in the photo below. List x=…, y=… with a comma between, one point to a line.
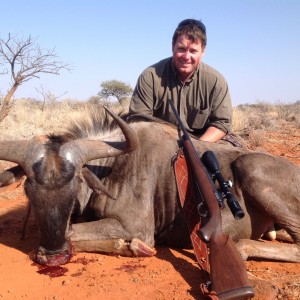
x=121, y=178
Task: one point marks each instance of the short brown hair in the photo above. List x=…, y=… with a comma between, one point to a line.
x=195, y=30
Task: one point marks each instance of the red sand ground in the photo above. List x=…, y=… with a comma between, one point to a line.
x=171, y=274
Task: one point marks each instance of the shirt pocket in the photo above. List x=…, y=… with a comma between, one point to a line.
x=198, y=119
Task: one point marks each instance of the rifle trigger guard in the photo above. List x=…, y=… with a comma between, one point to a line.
x=202, y=210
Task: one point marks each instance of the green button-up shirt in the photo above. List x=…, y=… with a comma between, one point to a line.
x=201, y=102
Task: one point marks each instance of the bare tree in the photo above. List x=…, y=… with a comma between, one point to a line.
x=25, y=60
x=48, y=97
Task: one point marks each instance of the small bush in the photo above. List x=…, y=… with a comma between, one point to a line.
x=256, y=138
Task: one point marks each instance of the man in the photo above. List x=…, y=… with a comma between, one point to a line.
x=199, y=92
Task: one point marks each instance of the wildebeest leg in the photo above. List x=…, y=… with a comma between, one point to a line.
x=270, y=250
x=271, y=192
x=135, y=247
x=109, y=236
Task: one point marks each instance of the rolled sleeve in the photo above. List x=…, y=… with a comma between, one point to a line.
x=142, y=98
x=221, y=114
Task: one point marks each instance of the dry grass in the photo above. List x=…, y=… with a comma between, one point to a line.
x=252, y=122
x=29, y=118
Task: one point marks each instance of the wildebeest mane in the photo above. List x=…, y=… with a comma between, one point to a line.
x=95, y=123
x=91, y=123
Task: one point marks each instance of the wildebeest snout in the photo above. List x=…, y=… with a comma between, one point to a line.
x=54, y=258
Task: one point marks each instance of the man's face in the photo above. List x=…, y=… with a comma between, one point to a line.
x=186, y=56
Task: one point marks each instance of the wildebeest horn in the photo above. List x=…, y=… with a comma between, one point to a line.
x=23, y=152
x=86, y=150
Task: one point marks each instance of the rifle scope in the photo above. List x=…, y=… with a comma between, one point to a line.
x=211, y=162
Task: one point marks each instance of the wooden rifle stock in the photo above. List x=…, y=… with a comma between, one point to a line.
x=227, y=269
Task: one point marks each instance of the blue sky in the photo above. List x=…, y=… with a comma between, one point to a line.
x=254, y=44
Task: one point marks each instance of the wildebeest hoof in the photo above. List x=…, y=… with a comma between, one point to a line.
x=271, y=233
x=141, y=249
x=242, y=248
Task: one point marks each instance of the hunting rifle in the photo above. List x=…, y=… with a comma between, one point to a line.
x=228, y=273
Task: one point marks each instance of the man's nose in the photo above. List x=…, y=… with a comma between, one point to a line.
x=186, y=55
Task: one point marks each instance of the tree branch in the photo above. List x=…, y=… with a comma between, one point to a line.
x=27, y=60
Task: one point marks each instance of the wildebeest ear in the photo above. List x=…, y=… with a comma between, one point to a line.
x=11, y=175
x=94, y=182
